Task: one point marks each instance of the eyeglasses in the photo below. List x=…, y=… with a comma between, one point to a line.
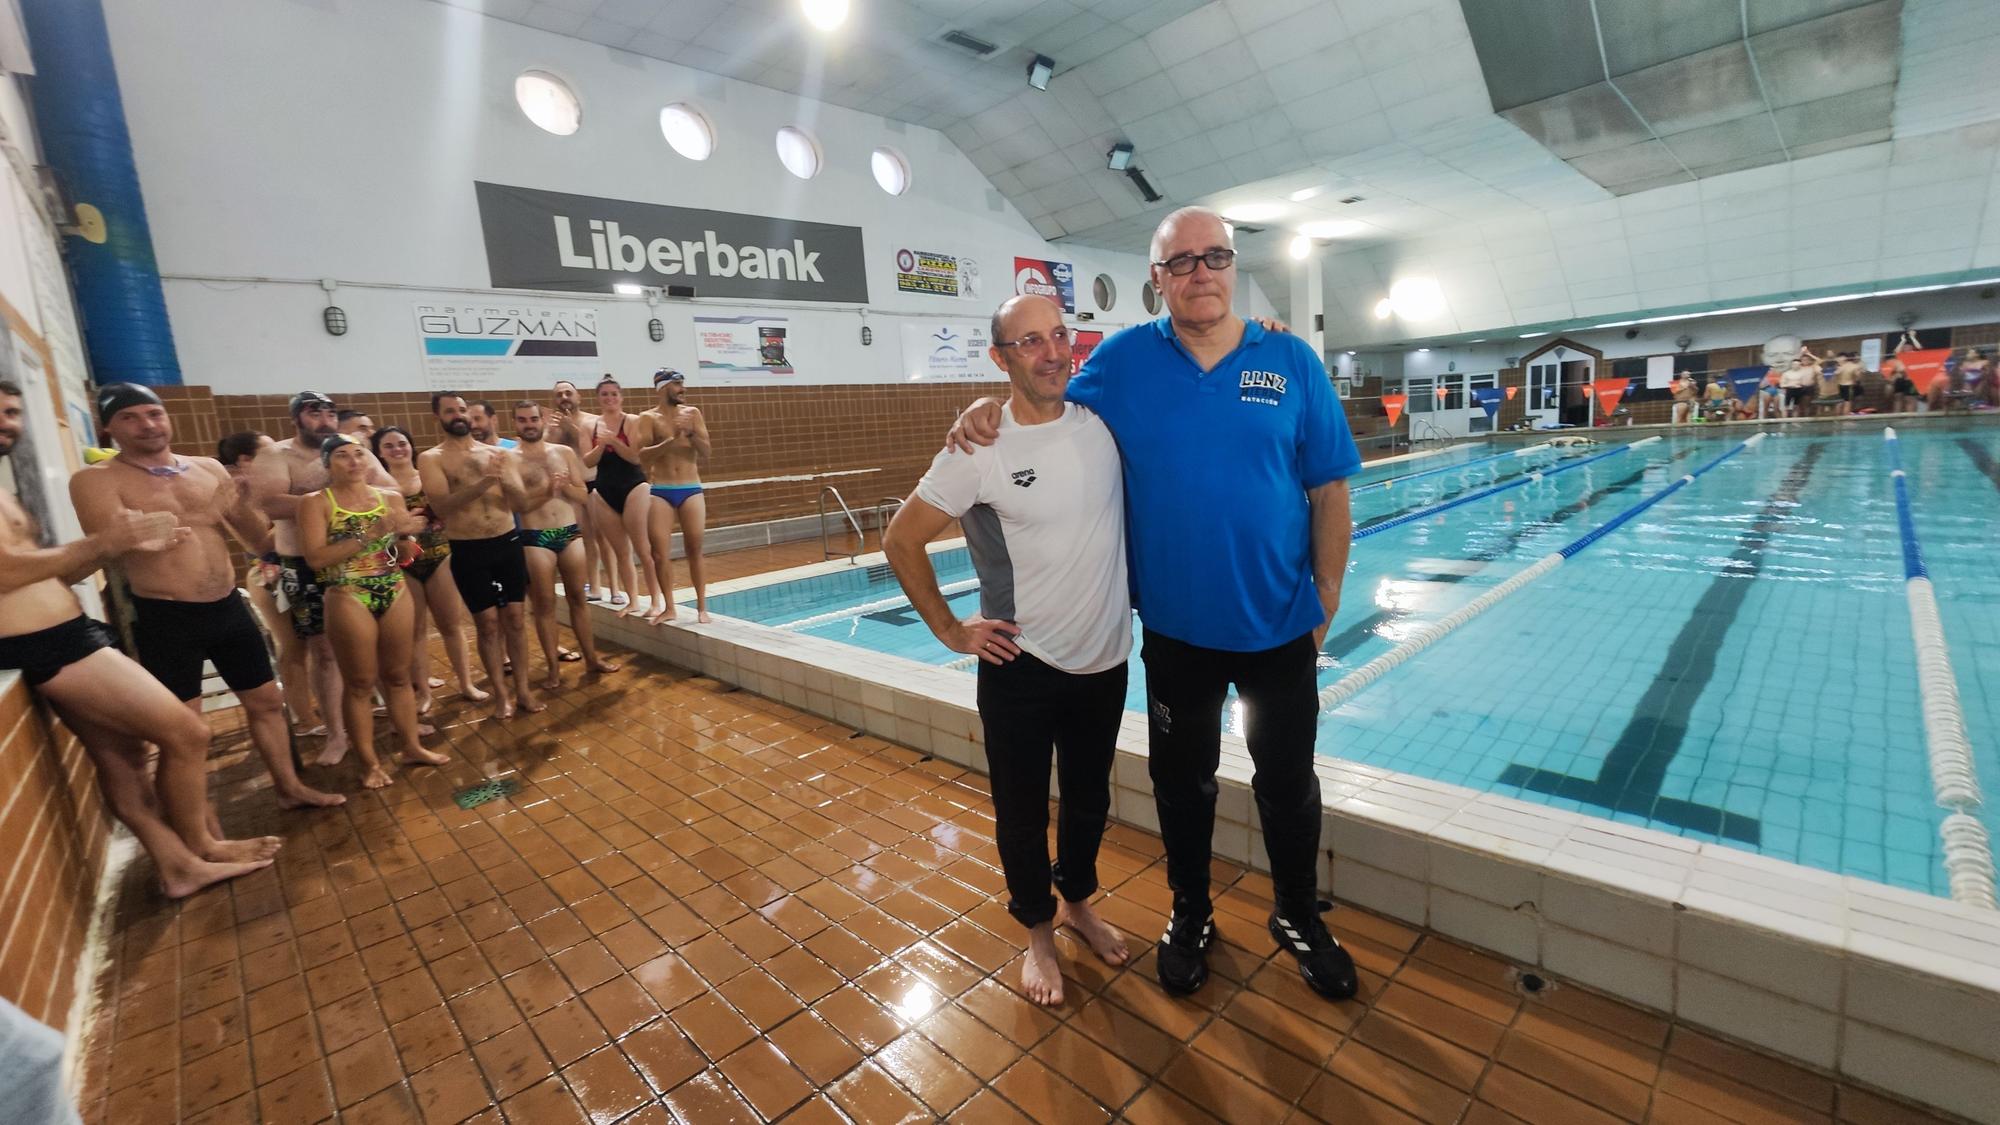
x=1181, y=265
x=1033, y=343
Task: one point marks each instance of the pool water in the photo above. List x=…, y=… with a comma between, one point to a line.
x=1734, y=665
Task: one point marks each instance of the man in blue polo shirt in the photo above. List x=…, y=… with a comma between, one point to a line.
x=1236, y=454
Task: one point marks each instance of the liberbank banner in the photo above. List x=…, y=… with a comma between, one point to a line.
x=582, y=244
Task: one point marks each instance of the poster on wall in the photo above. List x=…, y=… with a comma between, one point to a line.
x=738, y=346
x=939, y=351
x=940, y=275
x=1082, y=343
x=580, y=243
x=498, y=346
x=1659, y=372
x=1044, y=278
x=1871, y=353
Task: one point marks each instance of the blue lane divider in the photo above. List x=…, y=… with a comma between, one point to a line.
x=1906, y=522
x=1619, y=520
x=1515, y=482
x=1453, y=468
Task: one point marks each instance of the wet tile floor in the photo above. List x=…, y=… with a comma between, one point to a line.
x=703, y=906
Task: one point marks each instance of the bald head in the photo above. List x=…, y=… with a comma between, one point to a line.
x=1187, y=216
x=1013, y=308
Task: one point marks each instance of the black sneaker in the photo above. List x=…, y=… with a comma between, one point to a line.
x=1183, y=954
x=1324, y=964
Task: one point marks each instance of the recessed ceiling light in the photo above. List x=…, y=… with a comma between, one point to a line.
x=1332, y=228
x=1425, y=351
x=1529, y=335
x=1301, y=248
x=1350, y=351
x=627, y=289
x=1303, y=194
x=1417, y=298
x=1252, y=212
x=1788, y=308
x=825, y=14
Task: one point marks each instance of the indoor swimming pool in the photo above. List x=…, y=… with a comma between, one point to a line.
x=1732, y=664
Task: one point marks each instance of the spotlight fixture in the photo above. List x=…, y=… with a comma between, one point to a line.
x=1119, y=158
x=1144, y=185
x=1040, y=70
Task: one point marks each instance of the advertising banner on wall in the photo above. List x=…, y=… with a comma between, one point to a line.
x=938, y=351
x=1082, y=343
x=940, y=275
x=583, y=244
x=1044, y=278
x=1925, y=366
x=497, y=346
x=729, y=347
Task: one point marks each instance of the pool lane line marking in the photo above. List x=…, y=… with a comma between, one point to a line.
x=866, y=608
x=1522, y=452
x=1982, y=459
x=1354, y=636
x=1340, y=691
x=1417, y=510
x=1493, y=490
x=1968, y=852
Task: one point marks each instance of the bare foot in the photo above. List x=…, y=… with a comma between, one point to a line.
x=553, y=683
x=422, y=757
x=306, y=797
x=199, y=874
x=702, y=617
x=473, y=693
x=568, y=656
x=1041, y=973
x=664, y=613
x=503, y=706
x=603, y=665
x=626, y=607
x=331, y=754
x=375, y=778
x=425, y=730
x=425, y=703
x=434, y=684
x=1105, y=941
x=530, y=705
x=242, y=851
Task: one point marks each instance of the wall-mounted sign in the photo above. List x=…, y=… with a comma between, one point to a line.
x=1044, y=278
x=941, y=275
x=947, y=350
x=498, y=346
x=736, y=346
x=583, y=244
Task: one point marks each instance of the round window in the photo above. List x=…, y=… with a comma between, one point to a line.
x=549, y=102
x=1150, y=297
x=892, y=172
x=1105, y=291
x=687, y=131
x=798, y=152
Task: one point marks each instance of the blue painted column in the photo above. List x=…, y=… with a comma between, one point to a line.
x=82, y=123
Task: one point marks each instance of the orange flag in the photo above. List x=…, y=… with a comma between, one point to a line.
x=1510, y=393
x=1609, y=391
x=1394, y=405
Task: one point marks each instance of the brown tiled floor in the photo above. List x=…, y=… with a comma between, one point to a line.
x=707, y=907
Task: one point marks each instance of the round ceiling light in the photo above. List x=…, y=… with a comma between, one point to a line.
x=1417, y=298
x=1383, y=308
x=687, y=131
x=1301, y=248
x=825, y=14
x=548, y=102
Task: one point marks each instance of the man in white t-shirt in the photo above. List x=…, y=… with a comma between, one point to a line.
x=1043, y=509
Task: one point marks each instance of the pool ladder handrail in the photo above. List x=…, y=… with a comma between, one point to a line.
x=826, y=545
x=885, y=510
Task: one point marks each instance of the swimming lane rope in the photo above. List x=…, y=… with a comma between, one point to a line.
x=1481, y=494
x=1347, y=687
x=1968, y=853
x=867, y=608
x=1541, y=447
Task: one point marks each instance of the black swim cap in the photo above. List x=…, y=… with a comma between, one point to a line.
x=113, y=397
x=331, y=445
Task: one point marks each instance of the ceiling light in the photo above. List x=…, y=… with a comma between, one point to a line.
x=1383, y=308
x=1788, y=308
x=1301, y=248
x=1303, y=194
x=1332, y=228
x=627, y=289
x=1040, y=70
x=1529, y=335
x=1481, y=340
x=1252, y=212
x=1417, y=298
x=825, y=14
x=1424, y=351
x=1350, y=351
x=1119, y=158
x=1145, y=186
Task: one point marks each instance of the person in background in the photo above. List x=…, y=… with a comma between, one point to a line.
x=185, y=606
x=1847, y=372
x=1718, y=400
x=429, y=584
x=1683, y=390
x=1801, y=383
x=476, y=490
x=357, y=425
x=1771, y=395
x=114, y=707
x=359, y=535
x=1236, y=573
x=484, y=418
x=1897, y=384
x=552, y=480
x=235, y=452
x=674, y=443
x=1053, y=631
x=622, y=496
x=569, y=424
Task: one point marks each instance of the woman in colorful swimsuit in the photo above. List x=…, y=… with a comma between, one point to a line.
x=429, y=575
x=621, y=500
x=359, y=537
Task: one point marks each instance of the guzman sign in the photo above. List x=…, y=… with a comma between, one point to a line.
x=582, y=244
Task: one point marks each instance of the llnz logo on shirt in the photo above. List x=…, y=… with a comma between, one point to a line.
x=1024, y=478
x=1265, y=387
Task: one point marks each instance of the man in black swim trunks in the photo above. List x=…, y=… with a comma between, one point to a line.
x=185, y=605
x=73, y=664
x=476, y=489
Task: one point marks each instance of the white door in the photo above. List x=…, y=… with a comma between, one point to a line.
x=1476, y=420
x=1544, y=392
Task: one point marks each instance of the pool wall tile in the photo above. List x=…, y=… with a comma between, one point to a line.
x=1645, y=924
x=1766, y=1019
x=1790, y=968
x=1383, y=891
x=1643, y=977
x=1512, y=933
x=1941, y=1077
x=1951, y=1017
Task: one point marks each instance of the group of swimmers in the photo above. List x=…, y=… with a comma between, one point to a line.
x=1807, y=387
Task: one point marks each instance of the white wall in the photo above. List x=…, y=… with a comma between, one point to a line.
x=290, y=140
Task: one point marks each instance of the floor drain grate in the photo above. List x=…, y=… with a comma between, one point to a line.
x=472, y=796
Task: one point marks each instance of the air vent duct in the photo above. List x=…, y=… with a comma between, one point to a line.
x=967, y=42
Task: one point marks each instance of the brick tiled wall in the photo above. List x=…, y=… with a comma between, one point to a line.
x=53, y=834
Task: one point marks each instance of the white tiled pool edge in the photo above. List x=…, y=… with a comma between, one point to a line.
x=1892, y=988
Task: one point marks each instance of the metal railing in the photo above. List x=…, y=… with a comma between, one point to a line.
x=826, y=545
x=884, y=512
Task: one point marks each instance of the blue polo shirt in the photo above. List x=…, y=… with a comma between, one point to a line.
x=1217, y=465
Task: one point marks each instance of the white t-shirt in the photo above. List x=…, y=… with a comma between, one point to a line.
x=1043, y=509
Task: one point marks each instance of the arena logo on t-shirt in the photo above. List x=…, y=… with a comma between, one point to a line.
x=1264, y=387
x=1025, y=478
